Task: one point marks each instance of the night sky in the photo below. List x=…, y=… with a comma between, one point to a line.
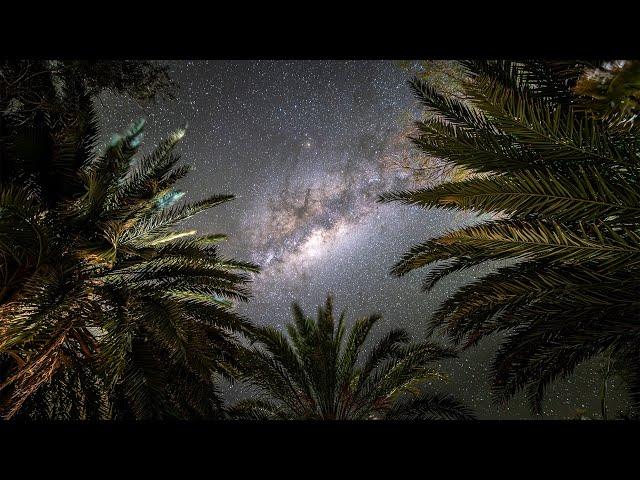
x=302, y=145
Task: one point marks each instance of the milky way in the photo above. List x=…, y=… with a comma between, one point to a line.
x=302, y=146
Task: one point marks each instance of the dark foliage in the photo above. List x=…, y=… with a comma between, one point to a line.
x=320, y=373
x=107, y=308
x=560, y=179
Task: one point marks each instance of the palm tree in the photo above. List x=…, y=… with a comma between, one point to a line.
x=315, y=373
x=107, y=308
x=560, y=182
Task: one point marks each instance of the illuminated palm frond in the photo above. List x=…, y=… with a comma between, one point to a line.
x=557, y=180
x=108, y=307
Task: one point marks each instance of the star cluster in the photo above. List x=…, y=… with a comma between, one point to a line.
x=300, y=144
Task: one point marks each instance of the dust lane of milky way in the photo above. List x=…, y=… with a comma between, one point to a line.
x=301, y=144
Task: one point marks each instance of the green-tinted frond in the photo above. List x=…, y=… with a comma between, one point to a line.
x=582, y=195
x=476, y=151
x=453, y=111
x=282, y=351
x=554, y=132
x=148, y=176
x=353, y=346
x=517, y=239
x=155, y=225
x=386, y=348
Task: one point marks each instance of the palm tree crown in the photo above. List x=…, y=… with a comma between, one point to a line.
x=107, y=308
x=561, y=181
x=315, y=373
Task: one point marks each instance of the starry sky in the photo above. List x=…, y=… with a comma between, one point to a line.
x=305, y=147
